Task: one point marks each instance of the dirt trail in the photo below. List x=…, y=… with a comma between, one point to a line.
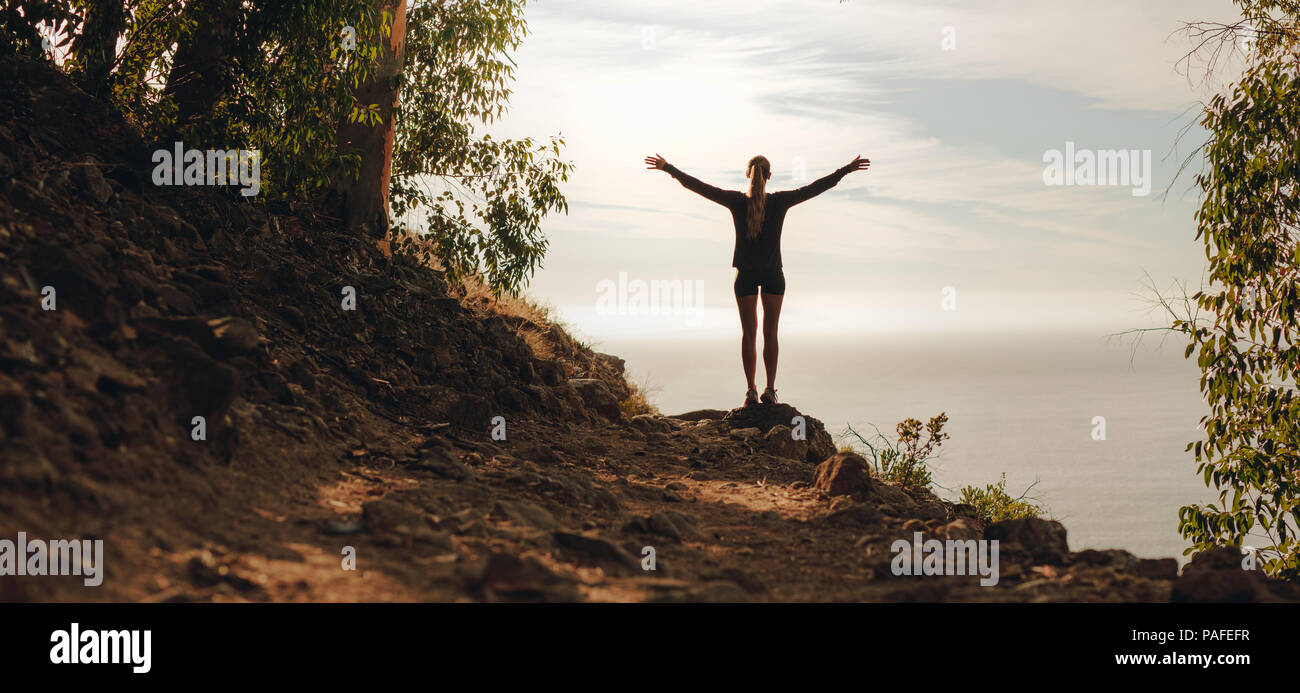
x=328, y=428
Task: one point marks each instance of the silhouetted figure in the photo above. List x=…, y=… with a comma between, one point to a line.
x=758, y=216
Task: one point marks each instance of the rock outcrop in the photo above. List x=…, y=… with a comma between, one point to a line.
x=808, y=434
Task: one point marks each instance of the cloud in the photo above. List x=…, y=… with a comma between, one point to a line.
x=955, y=194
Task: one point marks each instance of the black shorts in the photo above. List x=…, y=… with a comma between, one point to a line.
x=748, y=281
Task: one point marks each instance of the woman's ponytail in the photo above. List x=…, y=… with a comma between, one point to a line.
x=758, y=170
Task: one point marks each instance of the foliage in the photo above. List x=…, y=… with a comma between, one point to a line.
x=456, y=77
x=904, y=460
x=1249, y=354
x=287, y=82
x=993, y=504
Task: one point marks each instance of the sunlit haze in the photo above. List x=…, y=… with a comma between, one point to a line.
x=956, y=131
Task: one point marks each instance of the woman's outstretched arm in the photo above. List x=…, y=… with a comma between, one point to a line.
x=826, y=182
x=690, y=182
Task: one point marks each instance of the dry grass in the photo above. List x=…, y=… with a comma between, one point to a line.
x=479, y=294
x=639, y=401
x=542, y=349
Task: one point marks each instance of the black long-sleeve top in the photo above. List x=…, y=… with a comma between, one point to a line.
x=763, y=252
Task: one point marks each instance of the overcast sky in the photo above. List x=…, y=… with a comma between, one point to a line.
x=955, y=103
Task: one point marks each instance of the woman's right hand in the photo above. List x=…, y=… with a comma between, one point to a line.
x=859, y=163
x=655, y=162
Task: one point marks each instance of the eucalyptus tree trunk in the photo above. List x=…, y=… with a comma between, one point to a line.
x=200, y=75
x=366, y=198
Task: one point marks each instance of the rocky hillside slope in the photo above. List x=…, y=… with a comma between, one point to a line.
x=370, y=430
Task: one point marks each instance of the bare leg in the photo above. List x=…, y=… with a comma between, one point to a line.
x=748, y=306
x=771, y=349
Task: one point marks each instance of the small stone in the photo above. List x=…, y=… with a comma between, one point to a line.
x=89, y=177
x=930, y=511
x=747, y=582
x=442, y=465
x=524, y=514
x=235, y=335
x=914, y=525
x=892, y=495
x=108, y=372
x=647, y=423
x=388, y=516
x=203, y=569
x=672, y=524
x=341, y=527
x=527, y=578
x=1117, y=558
x=598, y=550
x=855, y=514
x=540, y=454
x=175, y=299
x=840, y=502
x=960, y=530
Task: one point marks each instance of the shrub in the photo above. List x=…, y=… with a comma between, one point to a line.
x=993, y=503
x=903, y=461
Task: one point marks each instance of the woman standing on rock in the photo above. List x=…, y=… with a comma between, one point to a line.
x=758, y=216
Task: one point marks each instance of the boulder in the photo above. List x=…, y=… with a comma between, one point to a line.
x=1118, y=558
x=1037, y=539
x=614, y=362
x=598, y=397
x=1218, y=575
x=765, y=417
x=91, y=179
x=1157, y=568
x=845, y=473
x=779, y=442
x=648, y=423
